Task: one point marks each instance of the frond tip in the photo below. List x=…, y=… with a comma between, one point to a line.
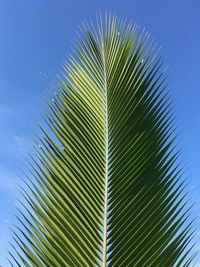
x=105, y=187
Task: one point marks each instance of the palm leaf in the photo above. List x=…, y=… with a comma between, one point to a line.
x=107, y=186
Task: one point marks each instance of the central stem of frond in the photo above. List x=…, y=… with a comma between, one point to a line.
x=106, y=170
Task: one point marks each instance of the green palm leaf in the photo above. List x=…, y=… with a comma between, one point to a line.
x=107, y=187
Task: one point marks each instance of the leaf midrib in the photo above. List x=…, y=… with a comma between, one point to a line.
x=106, y=164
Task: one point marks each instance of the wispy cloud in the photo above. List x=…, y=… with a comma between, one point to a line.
x=22, y=144
x=7, y=179
x=6, y=221
x=6, y=111
x=15, y=147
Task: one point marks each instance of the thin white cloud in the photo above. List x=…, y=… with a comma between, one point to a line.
x=22, y=144
x=6, y=221
x=6, y=111
x=7, y=179
x=16, y=147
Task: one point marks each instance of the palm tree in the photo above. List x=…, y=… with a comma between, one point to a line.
x=108, y=187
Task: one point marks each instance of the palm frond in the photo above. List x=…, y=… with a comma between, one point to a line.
x=106, y=187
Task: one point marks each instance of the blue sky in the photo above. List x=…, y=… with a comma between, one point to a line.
x=35, y=37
